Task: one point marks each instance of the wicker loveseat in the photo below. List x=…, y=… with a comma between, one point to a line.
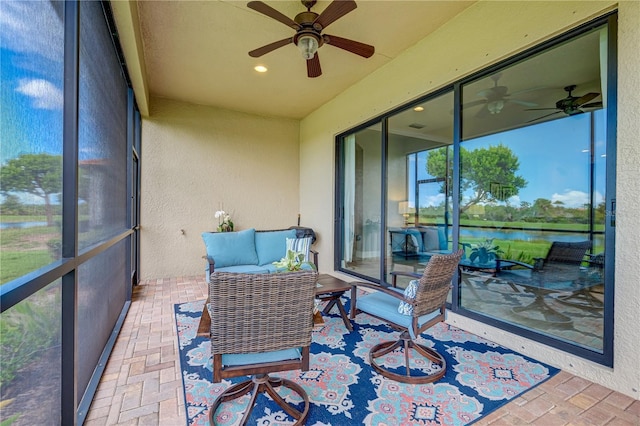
x=251, y=251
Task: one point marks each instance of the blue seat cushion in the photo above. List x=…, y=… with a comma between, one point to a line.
x=386, y=307
x=260, y=357
x=244, y=269
x=239, y=269
x=231, y=248
x=271, y=246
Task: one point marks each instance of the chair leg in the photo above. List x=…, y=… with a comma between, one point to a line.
x=258, y=384
x=407, y=344
x=300, y=416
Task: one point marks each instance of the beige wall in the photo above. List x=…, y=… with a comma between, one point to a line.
x=481, y=35
x=195, y=159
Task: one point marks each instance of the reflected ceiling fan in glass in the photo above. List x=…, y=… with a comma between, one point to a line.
x=496, y=98
x=571, y=105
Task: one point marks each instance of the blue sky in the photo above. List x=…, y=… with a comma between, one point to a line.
x=554, y=160
x=31, y=73
x=31, y=93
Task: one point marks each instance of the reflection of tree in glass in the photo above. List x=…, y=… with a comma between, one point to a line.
x=485, y=171
x=12, y=205
x=36, y=174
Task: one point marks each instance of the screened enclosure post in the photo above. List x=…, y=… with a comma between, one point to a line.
x=69, y=382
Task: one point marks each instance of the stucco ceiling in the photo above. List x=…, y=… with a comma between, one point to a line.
x=197, y=51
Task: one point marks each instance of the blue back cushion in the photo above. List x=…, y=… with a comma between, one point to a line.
x=271, y=246
x=231, y=248
x=434, y=238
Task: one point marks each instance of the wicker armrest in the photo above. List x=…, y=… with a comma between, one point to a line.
x=378, y=287
x=211, y=262
x=394, y=276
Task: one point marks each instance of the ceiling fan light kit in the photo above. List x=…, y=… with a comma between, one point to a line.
x=308, y=45
x=308, y=37
x=495, y=107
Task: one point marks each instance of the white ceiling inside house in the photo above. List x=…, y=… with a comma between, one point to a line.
x=197, y=51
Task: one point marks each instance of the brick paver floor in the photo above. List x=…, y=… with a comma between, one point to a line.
x=142, y=384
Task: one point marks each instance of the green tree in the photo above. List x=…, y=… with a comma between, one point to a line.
x=489, y=173
x=35, y=174
x=542, y=207
x=12, y=205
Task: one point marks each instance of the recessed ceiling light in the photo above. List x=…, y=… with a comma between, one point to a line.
x=418, y=108
x=260, y=68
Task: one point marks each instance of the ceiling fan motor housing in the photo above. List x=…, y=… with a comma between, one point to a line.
x=306, y=22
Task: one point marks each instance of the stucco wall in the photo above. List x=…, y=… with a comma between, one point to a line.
x=481, y=35
x=196, y=159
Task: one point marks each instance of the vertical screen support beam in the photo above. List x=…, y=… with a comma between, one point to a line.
x=69, y=380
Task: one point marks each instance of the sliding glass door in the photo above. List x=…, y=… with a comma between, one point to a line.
x=514, y=165
x=361, y=201
x=533, y=175
x=419, y=155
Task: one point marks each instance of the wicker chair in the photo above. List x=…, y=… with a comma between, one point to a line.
x=559, y=272
x=428, y=310
x=261, y=323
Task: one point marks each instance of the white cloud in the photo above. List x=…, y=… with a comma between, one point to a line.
x=44, y=94
x=571, y=198
x=514, y=201
x=432, y=201
x=32, y=27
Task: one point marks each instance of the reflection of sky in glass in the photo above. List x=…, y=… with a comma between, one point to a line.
x=554, y=160
x=31, y=49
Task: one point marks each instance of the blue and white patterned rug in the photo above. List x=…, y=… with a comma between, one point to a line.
x=344, y=390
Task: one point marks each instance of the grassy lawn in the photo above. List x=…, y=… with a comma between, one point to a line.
x=24, y=250
x=18, y=263
x=20, y=218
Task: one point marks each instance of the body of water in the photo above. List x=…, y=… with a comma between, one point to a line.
x=524, y=235
x=9, y=225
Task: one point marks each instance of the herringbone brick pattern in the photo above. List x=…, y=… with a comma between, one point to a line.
x=142, y=384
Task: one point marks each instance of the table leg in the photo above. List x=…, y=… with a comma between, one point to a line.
x=204, y=326
x=335, y=300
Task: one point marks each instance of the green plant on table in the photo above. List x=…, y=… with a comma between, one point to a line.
x=485, y=251
x=293, y=261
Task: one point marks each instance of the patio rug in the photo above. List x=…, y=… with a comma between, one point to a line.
x=344, y=390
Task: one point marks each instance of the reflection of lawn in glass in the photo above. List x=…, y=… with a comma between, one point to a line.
x=25, y=249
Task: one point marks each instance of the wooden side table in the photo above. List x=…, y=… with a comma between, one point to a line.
x=330, y=289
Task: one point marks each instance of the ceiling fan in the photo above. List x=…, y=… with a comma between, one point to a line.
x=496, y=98
x=308, y=37
x=571, y=105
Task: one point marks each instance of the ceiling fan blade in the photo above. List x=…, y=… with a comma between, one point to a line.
x=592, y=105
x=532, y=89
x=336, y=10
x=539, y=109
x=256, y=53
x=523, y=103
x=474, y=103
x=265, y=9
x=364, y=50
x=544, y=116
x=586, y=98
x=313, y=67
